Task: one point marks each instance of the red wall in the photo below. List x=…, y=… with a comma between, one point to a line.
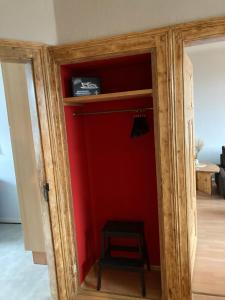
x=81, y=193
x=116, y=74
x=113, y=176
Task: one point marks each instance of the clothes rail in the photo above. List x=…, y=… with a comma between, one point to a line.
x=136, y=110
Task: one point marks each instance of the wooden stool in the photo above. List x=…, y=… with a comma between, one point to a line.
x=124, y=229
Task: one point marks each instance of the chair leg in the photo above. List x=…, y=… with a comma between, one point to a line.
x=99, y=278
x=146, y=255
x=142, y=276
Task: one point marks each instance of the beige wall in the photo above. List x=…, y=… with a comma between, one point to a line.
x=76, y=20
x=30, y=20
x=87, y=19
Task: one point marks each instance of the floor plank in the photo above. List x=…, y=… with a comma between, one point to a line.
x=209, y=271
x=125, y=283
x=206, y=297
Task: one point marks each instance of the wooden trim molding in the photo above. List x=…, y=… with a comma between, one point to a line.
x=204, y=31
x=13, y=51
x=166, y=45
x=174, y=272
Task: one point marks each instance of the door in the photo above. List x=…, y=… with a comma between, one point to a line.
x=9, y=210
x=19, y=91
x=190, y=158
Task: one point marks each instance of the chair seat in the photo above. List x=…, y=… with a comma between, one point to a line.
x=122, y=263
x=126, y=230
x=124, y=248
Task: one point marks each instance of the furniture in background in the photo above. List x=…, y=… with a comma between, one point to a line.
x=221, y=182
x=126, y=230
x=220, y=177
x=222, y=158
x=204, y=174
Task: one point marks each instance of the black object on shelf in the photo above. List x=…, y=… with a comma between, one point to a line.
x=125, y=230
x=85, y=86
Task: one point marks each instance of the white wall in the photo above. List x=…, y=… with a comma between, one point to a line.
x=29, y=20
x=9, y=202
x=209, y=98
x=75, y=20
x=88, y=19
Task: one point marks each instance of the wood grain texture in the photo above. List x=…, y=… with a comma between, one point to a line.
x=18, y=98
x=181, y=35
x=174, y=264
x=206, y=297
x=208, y=168
x=204, y=182
x=11, y=51
x=60, y=208
x=203, y=31
x=190, y=158
x=166, y=45
x=108, y=97
x=209, y=272
x=122, y=283
x=120, y=45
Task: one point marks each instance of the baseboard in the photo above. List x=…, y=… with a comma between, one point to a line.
x=39, y=258
x=10, y=221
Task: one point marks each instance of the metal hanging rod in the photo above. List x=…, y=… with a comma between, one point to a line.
x=136, y=110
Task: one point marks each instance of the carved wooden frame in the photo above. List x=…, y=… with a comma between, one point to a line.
x=21, y=52
x=182, y=35
x=172, y=248
x=166, y=45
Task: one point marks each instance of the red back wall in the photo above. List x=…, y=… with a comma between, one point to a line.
x=113, y=176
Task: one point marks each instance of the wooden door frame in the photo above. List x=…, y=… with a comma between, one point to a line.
x=172, y=245
x=167, y=45
x=193, y=33
x=22, y=52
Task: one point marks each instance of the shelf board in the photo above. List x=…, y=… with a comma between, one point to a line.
x=108, y=97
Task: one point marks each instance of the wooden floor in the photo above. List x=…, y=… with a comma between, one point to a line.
x=209, y=271
x=124, y=283
x=206, y=297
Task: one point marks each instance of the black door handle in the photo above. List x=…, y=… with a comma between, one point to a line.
x=46, y=191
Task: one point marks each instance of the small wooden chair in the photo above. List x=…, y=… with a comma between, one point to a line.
x=124, y=229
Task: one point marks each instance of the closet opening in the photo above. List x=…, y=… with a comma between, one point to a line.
x=111, y=147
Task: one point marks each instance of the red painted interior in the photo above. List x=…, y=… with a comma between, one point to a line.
x=116, y=74
x=113, y=176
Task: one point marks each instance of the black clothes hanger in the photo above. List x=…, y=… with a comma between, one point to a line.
x=140, y=126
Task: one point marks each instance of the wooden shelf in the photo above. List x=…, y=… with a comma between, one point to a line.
x=108, y=97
